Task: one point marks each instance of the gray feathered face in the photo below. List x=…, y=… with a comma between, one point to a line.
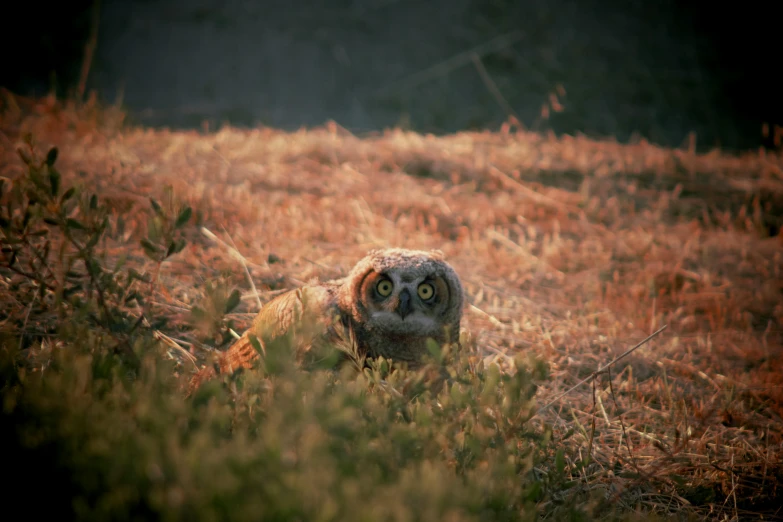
x=410, y=293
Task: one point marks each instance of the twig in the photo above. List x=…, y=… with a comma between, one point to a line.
x=320, y=265
x=26, y=318
x=89, y=48
x=233, y=252
x=458, y=60
x=492, y=319
x=592, y=437
x=519, y=249
x=31, y=276
x=244, y=266
x=37, y=253
x=622, y=424
x=602, y=368
x=174, y=344
x=492, y=87
x=538, y=197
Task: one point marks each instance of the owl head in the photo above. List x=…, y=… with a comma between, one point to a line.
x=400, y=293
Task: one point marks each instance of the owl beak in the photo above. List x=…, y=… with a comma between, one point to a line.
x=404, y=308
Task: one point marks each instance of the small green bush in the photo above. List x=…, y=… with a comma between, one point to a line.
x=294, y=445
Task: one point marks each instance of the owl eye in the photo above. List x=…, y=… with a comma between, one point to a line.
x=426, y=291
x=384, y=287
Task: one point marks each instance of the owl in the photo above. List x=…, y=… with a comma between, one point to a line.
x=389, y=305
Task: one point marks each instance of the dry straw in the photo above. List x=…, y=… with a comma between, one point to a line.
x=568, y=249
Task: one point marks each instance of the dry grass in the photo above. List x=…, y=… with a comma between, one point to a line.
x=571, y=250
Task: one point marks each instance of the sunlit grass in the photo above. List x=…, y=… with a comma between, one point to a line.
x=570, y=250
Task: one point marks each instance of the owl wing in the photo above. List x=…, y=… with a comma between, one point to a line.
x=306, y=314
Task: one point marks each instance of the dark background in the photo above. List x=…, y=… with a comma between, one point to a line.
x=656, y=69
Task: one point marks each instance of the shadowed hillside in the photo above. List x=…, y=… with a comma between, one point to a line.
x=600, y=67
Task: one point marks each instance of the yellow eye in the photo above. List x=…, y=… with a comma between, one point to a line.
x=384, y=287
x=426, y=291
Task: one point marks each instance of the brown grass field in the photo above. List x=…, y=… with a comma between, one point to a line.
x=571, y=250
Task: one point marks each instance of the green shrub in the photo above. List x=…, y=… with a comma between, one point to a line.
x=293, y=445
